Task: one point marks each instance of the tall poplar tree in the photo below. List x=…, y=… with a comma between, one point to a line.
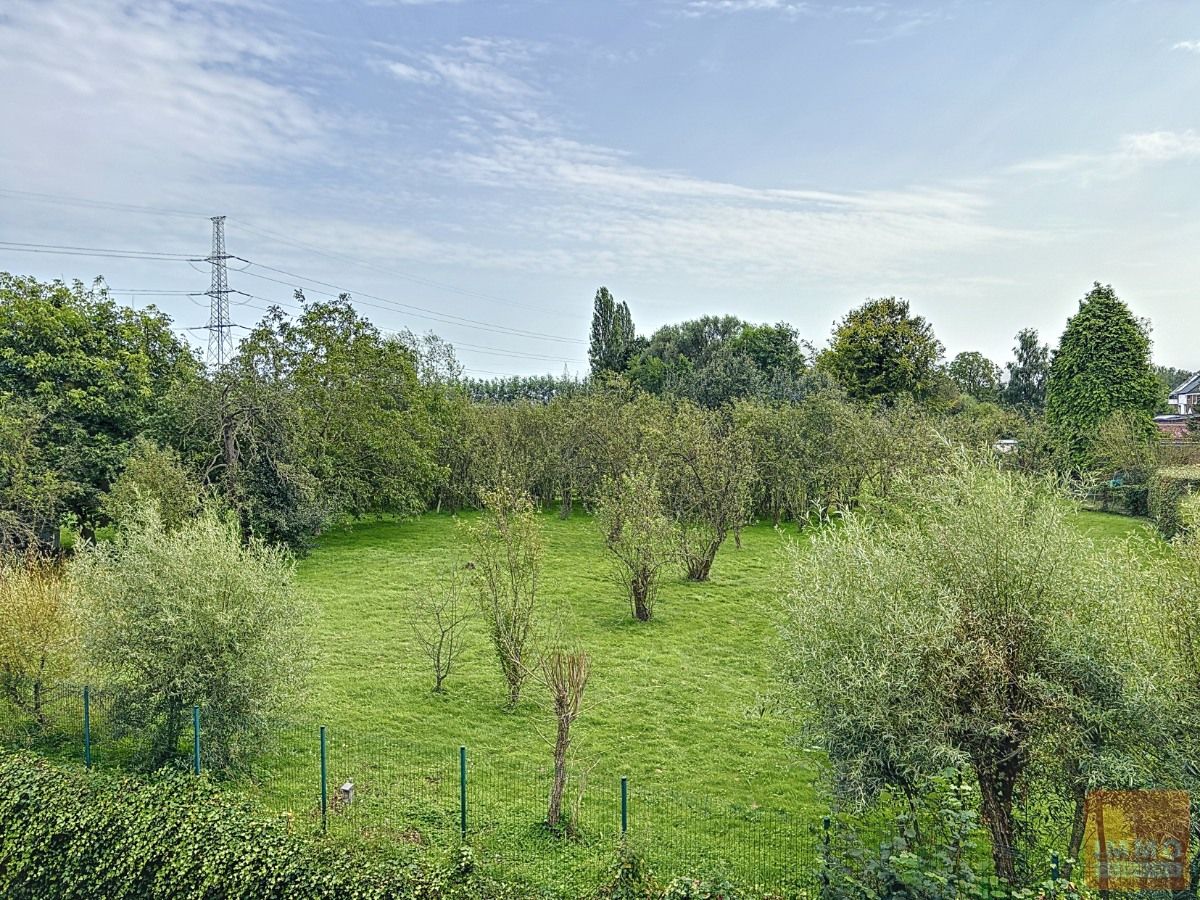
x=612, y=338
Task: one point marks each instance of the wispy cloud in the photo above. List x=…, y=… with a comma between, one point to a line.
x=1131, y=153
x=1187, y=46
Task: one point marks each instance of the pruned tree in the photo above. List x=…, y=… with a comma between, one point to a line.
x=438, y=620
x=705, y=470
x=190, y=617
x=39, y=632
x=973, y=625
x=507, y=550
x=565, y=674
x=640, y=537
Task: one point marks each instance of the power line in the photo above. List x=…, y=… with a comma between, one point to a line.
x=416, y=279
x=98, y=204
x=446, y=318
x=67, y=250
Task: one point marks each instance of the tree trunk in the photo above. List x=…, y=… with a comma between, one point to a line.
x=996, y=794
x=698, y=567
x=567, y=504
x=640, y=590
x=561, y=743
x=1078, y=822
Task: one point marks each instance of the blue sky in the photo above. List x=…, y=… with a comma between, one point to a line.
x=479, y=168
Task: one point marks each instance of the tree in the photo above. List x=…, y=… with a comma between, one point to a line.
x=1102, y=365
x=705, y=474
x=639, y=535
x=94, y=371
x=438, y=620
x=975, y=375
x=880, y=351
x=613, y=336
x=155, y=476
x=1027, y=373
x=565, y=674
x=39, y=633
x=971, y=623
x=30, y=490
x=1169, y=378
x=193, y=617
x=361, y=412
x=507, y=554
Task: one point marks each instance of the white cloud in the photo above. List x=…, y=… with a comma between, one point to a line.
x=1187, y=46
x=1131, y=153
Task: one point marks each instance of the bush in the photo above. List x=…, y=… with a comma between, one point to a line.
x=193, y=617
x=1168, y=488
x=81, y=836
x=39, y=636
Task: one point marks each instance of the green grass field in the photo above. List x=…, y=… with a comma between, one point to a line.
x=680, y=705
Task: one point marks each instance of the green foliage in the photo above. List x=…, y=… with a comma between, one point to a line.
x=76, y=836
x=1168, y=488
x=94, y=371
x=1028, y=372
x=39, y=633
x=152, y=477
x=715, y=360
x=30, y=490
x=360, y=413
x=506, y=550
x=705, y=475
x=975, y=375
x=1101, y=366
x=613, y=339
x=881, y=352
x=972, y=624
x=931, y=852
x=640, y=536
x=193, y=617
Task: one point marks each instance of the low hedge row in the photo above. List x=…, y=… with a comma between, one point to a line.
x=1168, y=488
x=75, y=835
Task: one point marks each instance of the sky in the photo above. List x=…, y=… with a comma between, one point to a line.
x=479, y=167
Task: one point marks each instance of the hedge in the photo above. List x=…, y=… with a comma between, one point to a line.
x=1168, y=487
x=71, y=834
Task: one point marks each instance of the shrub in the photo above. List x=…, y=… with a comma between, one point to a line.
x=1168, y=487
x=193, y=617
x=78, y=836
x=155, y=476
x=39, y=637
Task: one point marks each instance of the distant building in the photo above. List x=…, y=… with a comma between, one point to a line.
x=1174, y=426
x=1186, y=397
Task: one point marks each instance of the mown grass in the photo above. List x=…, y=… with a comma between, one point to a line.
x=680, y=705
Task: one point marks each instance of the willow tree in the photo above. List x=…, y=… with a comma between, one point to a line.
x=971, y=625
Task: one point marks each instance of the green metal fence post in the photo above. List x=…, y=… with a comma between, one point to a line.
x=324, y=785
x=825, y=853
x=195, y=740
x=87, y=726
x=462, y=791
x=624, y=804
x=1054, y=873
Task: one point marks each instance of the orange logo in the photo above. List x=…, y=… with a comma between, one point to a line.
x=1137, y=840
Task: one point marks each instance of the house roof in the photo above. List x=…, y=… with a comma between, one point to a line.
x=1191, y=386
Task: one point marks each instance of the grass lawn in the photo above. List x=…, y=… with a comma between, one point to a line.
x=679, y=705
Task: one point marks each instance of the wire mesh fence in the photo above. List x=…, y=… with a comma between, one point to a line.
x=326, y=779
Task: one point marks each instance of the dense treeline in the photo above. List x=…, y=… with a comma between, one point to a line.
x=322, y=417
